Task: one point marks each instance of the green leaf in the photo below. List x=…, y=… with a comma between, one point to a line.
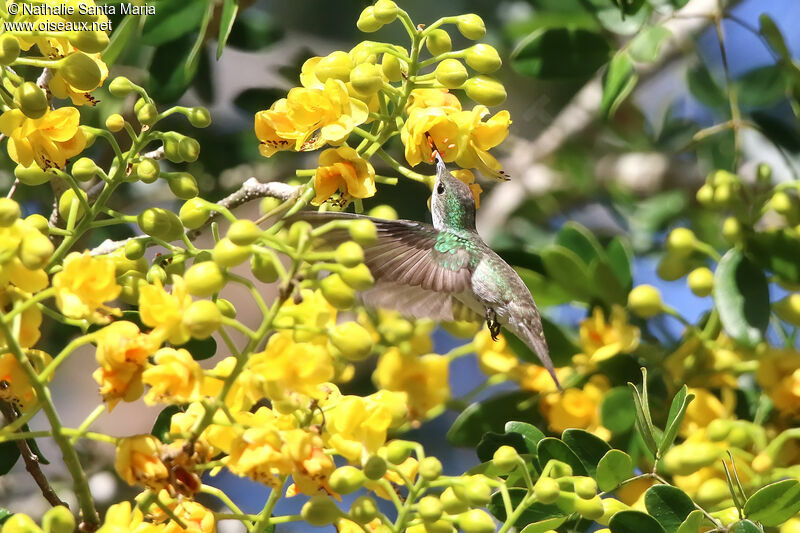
x=741, y=296
x=171, y=72
x=675, y=418
x=634, y=522
x=5, y=514
x=646, y=46
x=256, y=99
x=560, y=53
x=544, y=526
x=580, y=240
x=615, y=467
x=744, y=526
x=537, y=512
x=692, y=522
x=774, y=504
x=119, y=39
x=643, y=422
x=561, y=347
x=769, y=30
x=622, y=22
x=618, y=82
x=229, y=10
x=201, y=348
x=619, y=258
x=618, y=410
x=546, y=292
x=566, y=268
x=669, y=505
x=190, y=66
x=607, y=286
x=776, y=251
x=589, y=448
x=9, y=454
x=778, y=130
x=529, y=432
x=173, y=19
x=552, y=448
x=161, y=426
x=489, y=415
x=762, y=86
x=255, y=31
x=705, y=89
x=491, y=441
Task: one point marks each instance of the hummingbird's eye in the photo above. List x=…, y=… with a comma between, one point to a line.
x=440, y=188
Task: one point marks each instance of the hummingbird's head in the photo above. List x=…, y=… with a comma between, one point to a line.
x=452, y=203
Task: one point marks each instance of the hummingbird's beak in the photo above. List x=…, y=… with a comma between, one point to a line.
x=440, y=166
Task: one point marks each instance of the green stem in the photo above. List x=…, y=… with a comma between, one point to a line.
x=264, y=517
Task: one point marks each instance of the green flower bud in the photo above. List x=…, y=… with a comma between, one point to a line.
x=505, y=459
x=134, y=249
x=352, y=340
x=120, y=86
x=115, y=122
x=367, y=21
x=471, y=26
x=611, y=506
x=32, y=175
x=591, y=508
x=681, y=242
x=451, y=73
x=148, y=170
x=160, y=223
x=358, y=277
x=723, y=195
x=430, y=468
x=397, y=451
x=438, y=42
x=39, y=222
x=189, y=149
x=546, y=490
x=147, y=114
x=705, y=195
x=320, y=511
x=363, y=231
x=349, y=254
x=451, y=504
x=35, y=250
x=80, y=71
x=788, y=309
x=91, y=42
x=785, y=205
x=183, y=185
x=84, y=169
x=122, y=264
x=701, y=281
x=672, y=267
x=298, y=231
x=483, y=58
x=140, y=103
x=366, y=79
x=363, y=510
x=244, y=232
x=59, y=519
x=226, y=308
x=718, y=429
x=375, y=467
x=9, y=212
x=336, y=65
x=485, y=90
x=645, y=301
x=268, y=204
x=347, y=479
x=384, y=11
x=194, y=213
x=156, y=274
x=390, y=66
x=383, y=211
x=31, y=100
x=476, y=521
x=430, y=508
x=585, y=487
x=65, y=204
x=202, y=318
x=9, y=49
x=732, y=230
x=20, y=523
x=477, y=492
x=204, y=279
x=227, y=254
x=199, y=117
x=363, y=53
x=130, y=282
x=263, y=267
x=713, y=491
x=764, y=173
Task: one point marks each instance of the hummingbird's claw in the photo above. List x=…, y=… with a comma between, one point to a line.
x=492, y=323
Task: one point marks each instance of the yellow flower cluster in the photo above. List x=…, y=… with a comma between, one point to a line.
x=84, y=284
x=602, y=338
x=48, y=141
x=779, y=376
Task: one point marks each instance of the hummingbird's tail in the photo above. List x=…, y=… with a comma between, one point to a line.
x=534, y=338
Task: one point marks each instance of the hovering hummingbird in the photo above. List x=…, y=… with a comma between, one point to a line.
x=446, y=271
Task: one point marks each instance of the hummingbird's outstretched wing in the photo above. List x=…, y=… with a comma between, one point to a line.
x=417, y=272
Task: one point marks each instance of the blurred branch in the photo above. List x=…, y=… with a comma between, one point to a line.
x=524, y=162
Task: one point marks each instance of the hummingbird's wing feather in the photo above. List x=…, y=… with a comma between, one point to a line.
x=413, y=302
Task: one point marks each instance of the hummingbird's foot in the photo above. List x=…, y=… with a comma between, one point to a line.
x=492, y=323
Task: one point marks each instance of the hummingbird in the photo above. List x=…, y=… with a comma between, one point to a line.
x=445, y=271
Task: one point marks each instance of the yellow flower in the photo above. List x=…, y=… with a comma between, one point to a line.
x=123, y=518
x=174, y=378
x=577, y=408
x=601, y=340
x=425, y=98
x=15, y=273
x=422, y=123
x=343, y=169
x=164, y=312
x=312, y=466
x=424, y=378
x=779, y=375
x=84, y=284
x=495, y=357
x=357, y=427
x=197, y=518
x=18, y=390
x=62, y=89
x=704, y=409
x=469, y=178
x=258, y=454
x=31, y=318
x=49, y=140
x=476, y=138
x=139, y=462
x=276, y=132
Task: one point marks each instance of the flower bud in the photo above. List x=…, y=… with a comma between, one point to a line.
x=347, y=479
x=783, y=204
x=477, y=492
x=39, y=222
x=438, y=42
x=147, y=114
x=505, y=459
x=485, y=90
x=681, y=242
x=546, y=490
x=476, y=521
x=471, y=26
x=451, y=73
x=585, y=487
x=645, y=301
x=349, y=254
x=32, y=175
x=59, y=519
x=35, y=250
x=336, y=65
x=430, y=468
x=430, y=508
x=244, y=232
x=31, y=100
x=65, y=204
x=384, y=11
x=115, y=123
x=91, y=42
x=383, y=211
x=762, y=463
x=204, y=279
x=202, y=318
x=226, y=308
x=120, y=86
x=363, y=510
x=366, y=79
x=718, y=429
x=701, y=281
x=591, y=508
x=763, y=173
x=352, y=340
x=320, y=511
x=148, y=170
x=227, y=254
x=189, y=149
x=367, y=21
x=80, y=71
x=363, y=231
x=461, y=329
x=705, y=195
x=788, y=309
x=450, y=502
x=183, y=185
x=732, y=230
x=672, y=267
x=483, y=58
x=123, y=264
x=611, y=506
x=84, y=169
x=390, y=66
x=199, y=117
x=156, y=274
x=160, y=223
x=268, y=204
x=194, y=213
x=9, y=212
x=712, y=491
x=397, y=451
x=130, y=286
x=134, y=249
x=375, y=467
x=9, y=49
x=21, y=523
x=263, y=267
